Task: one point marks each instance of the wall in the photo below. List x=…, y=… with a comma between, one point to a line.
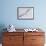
x=9, y=13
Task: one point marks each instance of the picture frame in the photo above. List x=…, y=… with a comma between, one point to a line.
x=25, y=13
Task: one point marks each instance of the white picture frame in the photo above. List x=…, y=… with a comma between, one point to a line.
x=25, y=13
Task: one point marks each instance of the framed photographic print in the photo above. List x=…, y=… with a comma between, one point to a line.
x=25, y=13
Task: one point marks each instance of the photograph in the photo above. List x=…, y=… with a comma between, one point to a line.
x=25, y=13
